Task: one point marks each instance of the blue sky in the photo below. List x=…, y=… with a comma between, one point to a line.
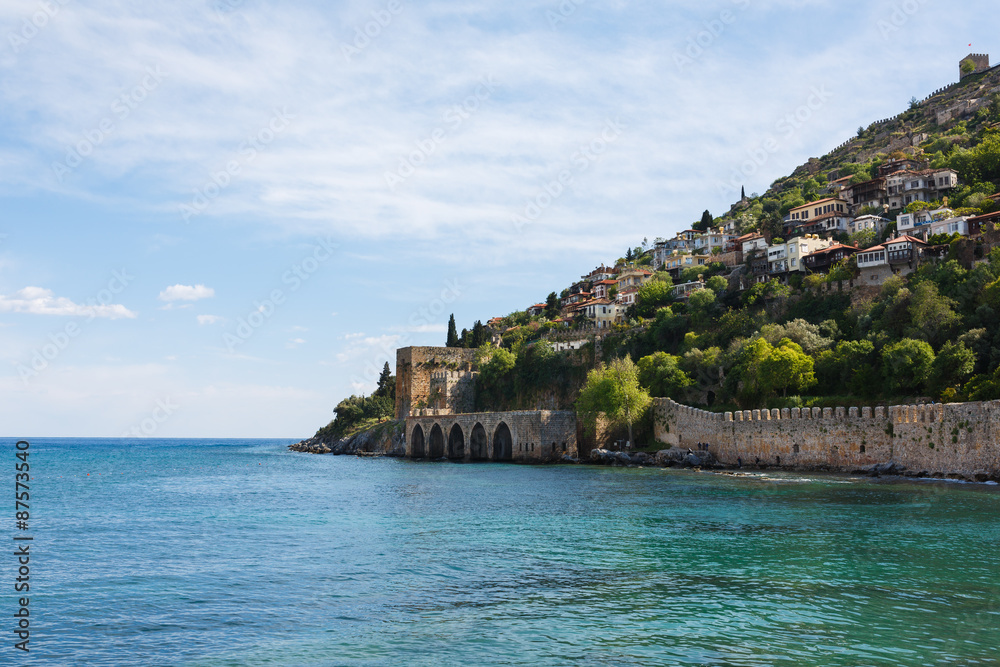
x=219, y=218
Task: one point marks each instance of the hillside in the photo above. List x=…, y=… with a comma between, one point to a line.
x=735, y=338
x=805, y=339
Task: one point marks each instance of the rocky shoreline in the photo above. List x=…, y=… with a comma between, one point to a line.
x=386, y=439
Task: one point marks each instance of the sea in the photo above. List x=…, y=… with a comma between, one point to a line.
x=240, y=552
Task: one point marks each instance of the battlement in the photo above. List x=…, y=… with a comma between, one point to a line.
x=422, y=370
x=956, y=438
x=981, y=61
x=444, y=376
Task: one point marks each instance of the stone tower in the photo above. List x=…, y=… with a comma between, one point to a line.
x=981, y=61
x=438, y=378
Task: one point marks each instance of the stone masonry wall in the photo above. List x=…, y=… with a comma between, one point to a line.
x=957, y=439
x=414, y=366
x=453, y=391
x=535, y=436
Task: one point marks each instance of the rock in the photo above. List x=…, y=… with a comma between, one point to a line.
x=669, y=457
x=889, y=468
x=386, y=439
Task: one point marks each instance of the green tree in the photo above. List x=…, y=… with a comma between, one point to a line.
x=661, y=374
x=552, y=306
x=614, y=391
x=652, y=296
x=452, y=340
x=386, y=383
x=786, y=367
x=705, y=222
x=744, y=380
x=932, y=316
x=701, y=305
x=907, y=365
x=851, y=367
x=717, y=284
x=478, y=335
x=953, y=365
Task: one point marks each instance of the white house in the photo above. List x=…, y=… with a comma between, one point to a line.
x=602, y=312
x=863, y=222
x=958, y=224
x=872, y=257
x=906, y=222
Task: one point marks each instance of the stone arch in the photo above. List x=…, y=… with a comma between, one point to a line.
x=503, y=443
x=417, y=443
x=435, y=448
x=479, y=444
x=456, y=443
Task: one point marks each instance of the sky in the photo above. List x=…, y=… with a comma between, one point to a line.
x=219, y=218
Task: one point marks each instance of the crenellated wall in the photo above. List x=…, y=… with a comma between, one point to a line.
x=955, y=439
x=415, y=367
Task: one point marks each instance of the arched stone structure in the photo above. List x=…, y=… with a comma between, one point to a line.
x=479, y=444
x=435, y=443
x=416, y=448
x=493, y=436
x=503, y=443
x=456, y=443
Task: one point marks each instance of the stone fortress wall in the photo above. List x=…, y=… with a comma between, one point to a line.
x=957, y=439
x=529, y=436
x=416, y=368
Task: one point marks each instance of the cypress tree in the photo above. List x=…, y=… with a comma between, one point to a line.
x=452, y=332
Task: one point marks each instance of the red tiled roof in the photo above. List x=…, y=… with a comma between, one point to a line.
x=905, y=237
x=836, y=246
x=819, y=201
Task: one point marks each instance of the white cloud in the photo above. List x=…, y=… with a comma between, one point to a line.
x=186, y=293
x=209, y=319
x=294, y=343
x=41, y=301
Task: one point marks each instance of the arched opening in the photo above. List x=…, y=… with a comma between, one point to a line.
x=456, y=443
x=503, y=444
x=479, y=448
x=417, y=443
x=435, y=450
x=710, y=400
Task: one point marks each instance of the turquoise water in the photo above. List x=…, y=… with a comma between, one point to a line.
x=242, y=553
